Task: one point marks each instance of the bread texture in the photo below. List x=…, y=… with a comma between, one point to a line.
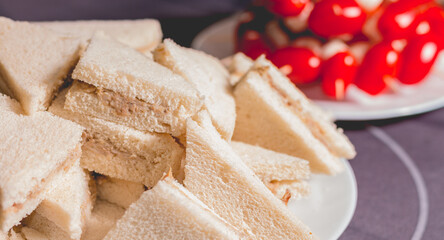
x=208, y=75
x=141, y=34
x=33, y=62
x=34, y=150
x=220, y=179
x=237, y=66
x=318, y=121
x=264, y=119
x=68, y=202
x=103, y=218
x=122, y=152
x=169, y=211
x=119, y=192
x=128, y=88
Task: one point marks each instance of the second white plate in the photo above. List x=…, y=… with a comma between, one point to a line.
x=218, y=40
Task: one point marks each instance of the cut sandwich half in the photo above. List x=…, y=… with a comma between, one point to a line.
x=274, y=114
x=33, y=62
x=121, y=85
x=208, y=75
x=141, y=34
x=220, y=179
x=34, y=151
x=319, y=122
x=123, y=152
x=169, y=211
x=277, y=171
x=119, y=192
x=68, y=202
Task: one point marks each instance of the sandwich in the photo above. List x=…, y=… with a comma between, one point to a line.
x=119, y=192
x=123, y=152
x=207, y=74
x=35, y=151
x=68, y=203
x=216, y=175
x=140, y=34
x=274, y=114
x=279, y=172
x=33, y=62
x=237, y=66
x=169, y=211
x=103, y=218
x=118, y=84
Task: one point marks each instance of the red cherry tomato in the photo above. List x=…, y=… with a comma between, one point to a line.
x=287, y=8
x=338, y=72
x=418, y=57
x=379, y=67
x=300, y=64
x=399, y=18
x=252, y=44
x=431, y=20
x=331, y=18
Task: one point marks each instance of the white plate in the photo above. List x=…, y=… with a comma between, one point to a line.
x=218, y=40
x=330, y=207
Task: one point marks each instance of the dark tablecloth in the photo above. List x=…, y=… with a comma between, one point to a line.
x=400, y=162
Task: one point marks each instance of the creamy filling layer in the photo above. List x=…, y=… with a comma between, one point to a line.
x=101, y=145
x=123, y=105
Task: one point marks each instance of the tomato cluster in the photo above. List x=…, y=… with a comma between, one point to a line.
x=369, y=43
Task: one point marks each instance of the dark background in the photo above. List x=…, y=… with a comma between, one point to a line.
x=388, y=203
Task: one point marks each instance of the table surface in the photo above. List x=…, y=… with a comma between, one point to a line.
x=400, y=163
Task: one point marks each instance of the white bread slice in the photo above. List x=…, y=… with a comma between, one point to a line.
x=68, y=203
x=237, y=66
x=119, y=192
x=269, y=165
x=34, y=61
x=208, y=75
x=37, y=227
x=122, y=152
x=102, y=219
x=319, y=122
x=141, y=34
x=34, y=150
x=264, y=119
x=128, y=88
x=169, y=211
x=219, y=178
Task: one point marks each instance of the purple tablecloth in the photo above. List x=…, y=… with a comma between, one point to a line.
x=400, y=163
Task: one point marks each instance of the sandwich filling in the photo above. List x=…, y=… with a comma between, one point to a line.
x=131, y=165
x=123, y=105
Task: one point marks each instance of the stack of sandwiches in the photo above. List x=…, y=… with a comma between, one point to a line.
x=110, y=133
